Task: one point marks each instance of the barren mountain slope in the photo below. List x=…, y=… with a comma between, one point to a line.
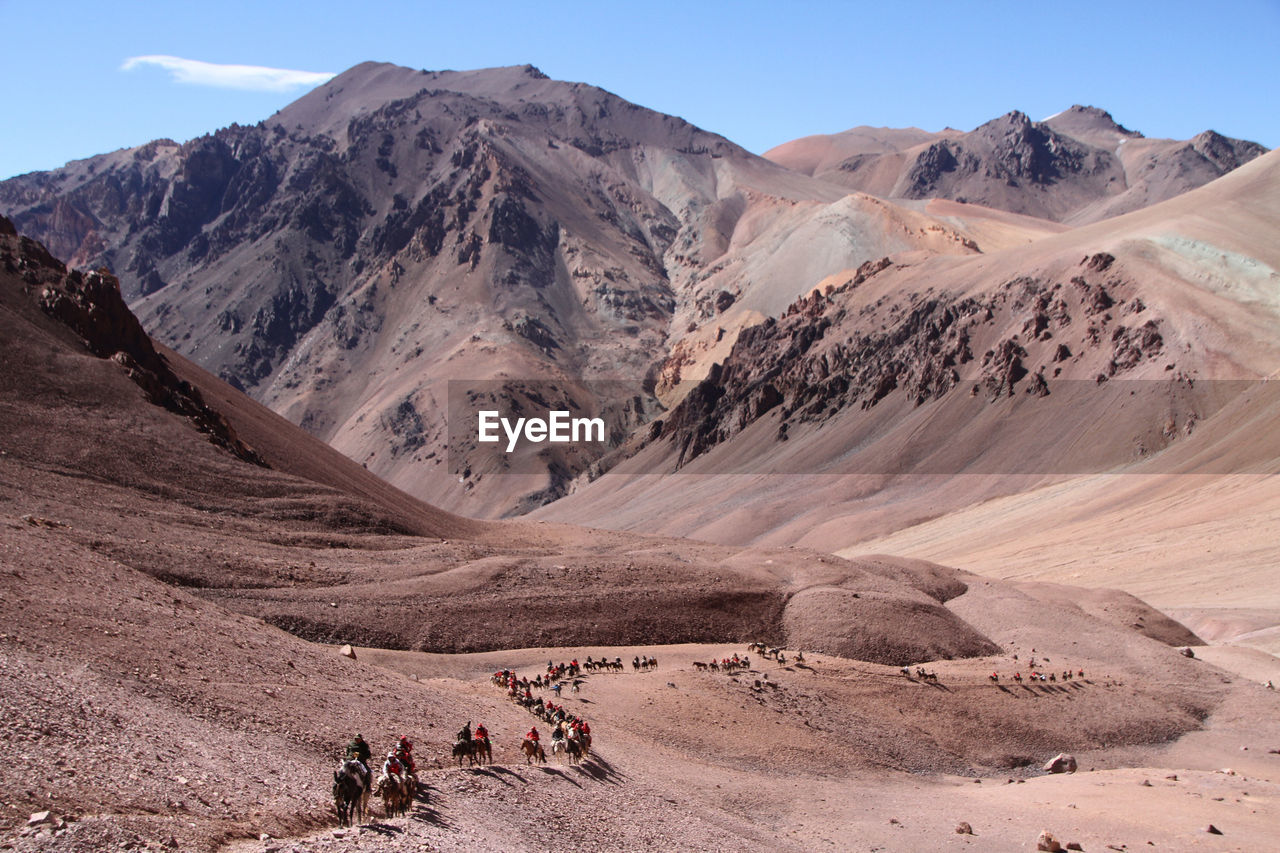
x=1077, y=166
x=913, y=391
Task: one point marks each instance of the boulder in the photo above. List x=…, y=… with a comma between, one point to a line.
x=1061, y=763
x=348, y=652
x=39, y=818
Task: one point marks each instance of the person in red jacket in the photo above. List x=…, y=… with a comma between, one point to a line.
x=532, y=735
x=482, y=734
x=404, y=752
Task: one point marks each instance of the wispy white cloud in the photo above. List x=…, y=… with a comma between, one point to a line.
x=254, y=78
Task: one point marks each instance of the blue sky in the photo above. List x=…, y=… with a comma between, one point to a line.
x=759, y=73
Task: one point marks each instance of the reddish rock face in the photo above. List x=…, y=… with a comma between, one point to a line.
x=90, y=305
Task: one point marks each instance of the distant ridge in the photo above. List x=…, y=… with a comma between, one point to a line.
x=1076, y=166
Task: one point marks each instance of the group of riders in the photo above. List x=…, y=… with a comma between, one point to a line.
x=399, y=770
x=399, y=760
x=353, y=780
x=568, y=730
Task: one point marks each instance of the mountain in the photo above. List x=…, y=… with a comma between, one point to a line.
x=161, y=529
x=1078, y=166
x=253, y=493
x=968, y=407
x=394, y=229
x=399, y=248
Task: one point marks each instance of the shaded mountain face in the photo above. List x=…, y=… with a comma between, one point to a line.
x=1077, y=166
x=389, y=223
x=90, y=306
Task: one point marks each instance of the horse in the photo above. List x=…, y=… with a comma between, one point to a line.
x=350, y=791
x=569, y=746
x=464, y=749
x=396, y=791
x=483, y=750
x=532, y=750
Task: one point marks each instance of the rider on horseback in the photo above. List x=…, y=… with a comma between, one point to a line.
x=482, y=734
x=533, y=735
x=404, y=753
x=464, y=734
x=358, y=750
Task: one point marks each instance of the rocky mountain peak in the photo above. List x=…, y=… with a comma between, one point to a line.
x=1011, y=150
x=1092, y=126
x=1012, y=120
x=1223, y=152
x=1098, y=118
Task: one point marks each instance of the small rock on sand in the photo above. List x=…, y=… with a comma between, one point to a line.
x=347, y=652
x=1048, y=843
x=1061, y=763
x=963, y=828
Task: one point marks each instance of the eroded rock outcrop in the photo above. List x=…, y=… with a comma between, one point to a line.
x=90, y=305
